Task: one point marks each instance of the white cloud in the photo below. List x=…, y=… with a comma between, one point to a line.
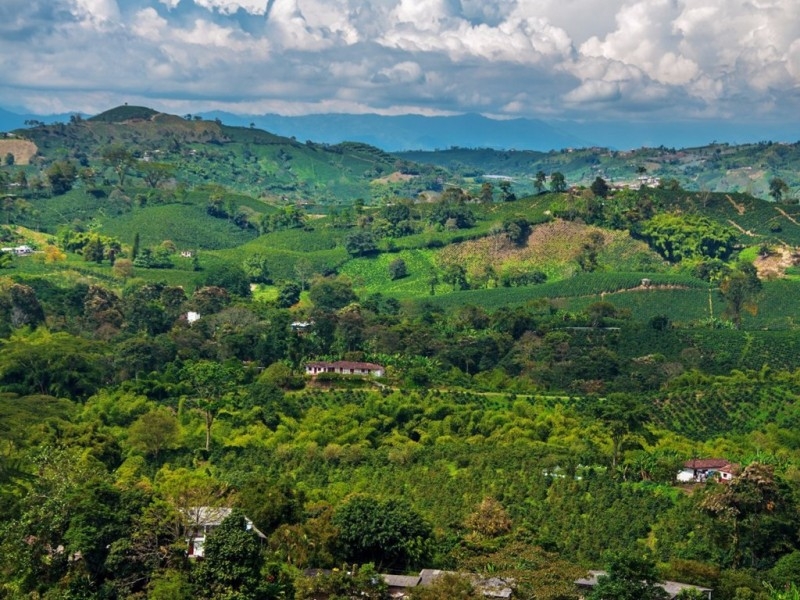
x=594, y=90
x=645, y=40
x=97, y=10
x=228, y=7
x=434, y=26
x=590, y=58
x=404, y=72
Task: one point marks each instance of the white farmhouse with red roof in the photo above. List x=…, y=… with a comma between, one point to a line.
x=344, y=367
x=701, y=469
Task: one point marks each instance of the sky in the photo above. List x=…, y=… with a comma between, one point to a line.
x=593, y=60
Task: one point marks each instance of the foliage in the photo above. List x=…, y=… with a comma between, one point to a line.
x=447, y=585
x=489, y=518
x=232, y=564
x=677, y=237
x=331, y=294
x=398, y=269
x=55, y=364
x=387, y=532
x=777, y=188
x=558, y=182
x=256, y=267
x=361, y=243
x=154, y=431
x=288, y=295
x=454, y=214
x=61, y=175
x=739, y=289
x=343, y=584
x=233, y=278
x=545, y=377
x=628, y=577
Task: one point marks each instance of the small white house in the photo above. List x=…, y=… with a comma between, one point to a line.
x=202, y=520
x=699, y=470
x=18, y=250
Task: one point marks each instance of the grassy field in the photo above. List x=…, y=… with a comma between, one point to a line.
x=187, y=225
x=371, y=275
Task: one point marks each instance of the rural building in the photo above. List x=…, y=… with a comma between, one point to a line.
x=344, y=367
x=673, y=588
x=201, y=521
x=401, y=586
x=699, y=470
x=18, y=250
x=302, y=326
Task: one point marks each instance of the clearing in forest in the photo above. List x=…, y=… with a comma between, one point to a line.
x=23, y=150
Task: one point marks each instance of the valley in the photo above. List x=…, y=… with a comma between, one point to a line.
x=519, y=352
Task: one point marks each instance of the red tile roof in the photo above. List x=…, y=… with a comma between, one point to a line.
x=706, y=463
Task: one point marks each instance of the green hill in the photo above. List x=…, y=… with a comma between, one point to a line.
x=235, y=192
x=243, y=159
x=120, y=114
x=713, y=168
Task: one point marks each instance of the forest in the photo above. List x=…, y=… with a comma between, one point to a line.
x=549, y=364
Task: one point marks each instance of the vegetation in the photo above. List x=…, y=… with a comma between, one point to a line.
x=550, y=363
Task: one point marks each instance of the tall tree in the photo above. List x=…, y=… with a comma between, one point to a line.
x=540, y=181
x=558, y=182
x=120, y=159
x=154, y=431
x=61, y=175
x=777, y=188
x=625, y=417
x=740, y=291
x=600, y=187
x=506, y=192
x=487, y=192
x=756, y=515
x=213, y=385
x=154, y=173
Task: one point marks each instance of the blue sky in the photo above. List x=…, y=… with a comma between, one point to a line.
x=644, y=60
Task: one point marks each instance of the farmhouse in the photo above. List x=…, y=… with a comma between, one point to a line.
x=699, y=470
x=673, y=588
x=302, y=326
x=344, y=367
x=18, y=250
x=201, y=521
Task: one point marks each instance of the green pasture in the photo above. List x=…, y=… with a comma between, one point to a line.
x=590, y=287
x=188, y=225
x=371, y=275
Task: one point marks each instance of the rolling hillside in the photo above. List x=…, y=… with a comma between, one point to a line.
x=744, y=168
x=242, y=158
x=231, y=193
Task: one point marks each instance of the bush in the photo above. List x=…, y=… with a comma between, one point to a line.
x=397, y=269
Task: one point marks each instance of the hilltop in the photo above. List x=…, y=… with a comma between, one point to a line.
x=246, y=159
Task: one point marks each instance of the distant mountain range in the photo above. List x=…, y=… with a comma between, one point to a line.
x=415, y=132
x=11, y=120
